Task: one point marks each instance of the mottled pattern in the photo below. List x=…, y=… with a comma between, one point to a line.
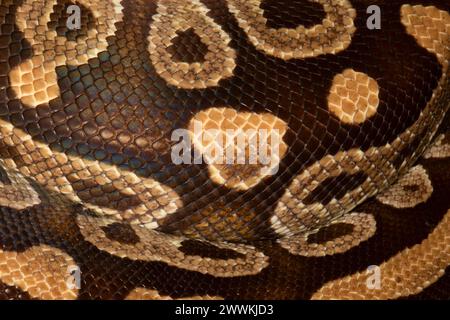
x=91, y=196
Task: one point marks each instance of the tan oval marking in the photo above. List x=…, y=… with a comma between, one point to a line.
x=353, y=97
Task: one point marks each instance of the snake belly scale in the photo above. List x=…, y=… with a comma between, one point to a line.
x=360, y=175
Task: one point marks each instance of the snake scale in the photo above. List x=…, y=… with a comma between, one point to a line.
x=89, y=187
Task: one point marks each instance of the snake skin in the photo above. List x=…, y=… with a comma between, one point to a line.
x=88, y=182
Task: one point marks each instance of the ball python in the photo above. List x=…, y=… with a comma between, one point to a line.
x=357, y=91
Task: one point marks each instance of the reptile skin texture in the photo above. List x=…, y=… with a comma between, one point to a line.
x=93, y=204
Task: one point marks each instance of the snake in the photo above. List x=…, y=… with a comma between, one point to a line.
x=353, y=204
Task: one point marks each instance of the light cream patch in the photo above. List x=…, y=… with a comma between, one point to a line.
x=19, y=194
x=157, y=246
x=56, y=171
x=439, y=149
x=353, y=97
x=41, y=271
x=219, y=129
x=410, y=190
x=364, y=227
x=34, y=81
x=431, y=29
x=178, y=16
x=406, y=273
x=149, y=294
x=332, y=36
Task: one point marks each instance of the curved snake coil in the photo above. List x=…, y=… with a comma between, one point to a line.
x=88, y=183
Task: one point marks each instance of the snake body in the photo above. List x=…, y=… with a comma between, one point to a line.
x=89, y=187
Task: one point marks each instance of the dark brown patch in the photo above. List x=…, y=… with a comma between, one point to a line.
x=12, y=293
x=335, y=187
x=121, y=232
x=188, y=47
x=330, y=233
x=411, y=188
x=292, y=13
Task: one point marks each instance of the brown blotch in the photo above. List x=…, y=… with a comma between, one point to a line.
x=188, y=47
x=121, y=232
x=207, y=250
x=330, y=233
